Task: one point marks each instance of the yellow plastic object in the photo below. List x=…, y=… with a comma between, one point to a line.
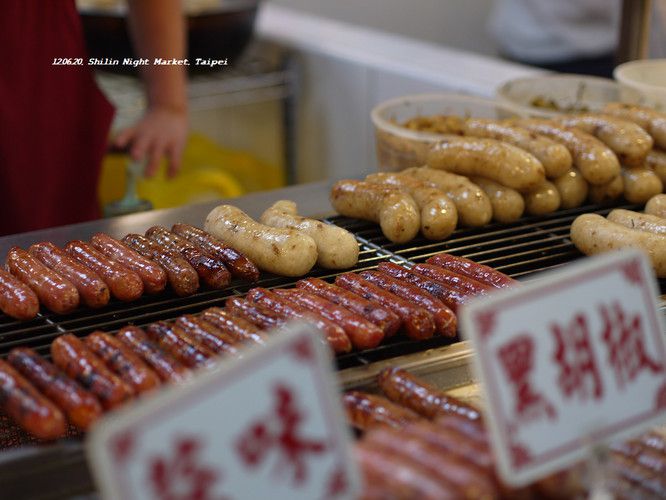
x=209, y=172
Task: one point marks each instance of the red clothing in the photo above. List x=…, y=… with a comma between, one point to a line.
x=54, y=121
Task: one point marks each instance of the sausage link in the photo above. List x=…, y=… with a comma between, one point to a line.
x=385, y=319
x=124, y=284
x=404, y=389
x=445, y=319
x=16, y=298
x=27, y=407
x=123, y=362
x=362, y=333
x=471, y=269
x=54, y=291
x=152, y=275
x=366, y=411
x=239, y=265
x=236, y=327
x=335, y=336
x=92, y=289
x=449, y=296
x=81, y=407
x=464, y=284
x=210, y=270
x=181, y=275
x=418, y=323
x=168, y=368
x=180, y=345
x=472, y=429
x=208, y=335
x=72, y=356
x=263, y=317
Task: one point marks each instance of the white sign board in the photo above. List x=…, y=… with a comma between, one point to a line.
x=266, y=426
x=574, y=358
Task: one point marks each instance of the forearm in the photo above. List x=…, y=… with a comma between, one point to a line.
x=158, y=30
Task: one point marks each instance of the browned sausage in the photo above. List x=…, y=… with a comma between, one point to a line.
x=464, y=284
x=208, y=335
x=238, y=328
x=72, y=356
x=362, y=333
x=152, y=275
x=16, y=298
x=180, y=345
x=418, y=323
x=123, y=362
x=29, y=409
x=385, y=319
x=92, y=289
x=182, y=277
x=445, y=319
x=210, y=270
x=335, y=336
x=366, y=411
x=473, y=429
x=54, y=291
x=81, y=407
x=261, y=316
x=239, y=265
x=166, y=366
x=450, y=297
x=124, y=284
x=403, y=388
x=471, y=269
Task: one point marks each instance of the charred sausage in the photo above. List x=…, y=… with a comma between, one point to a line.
x=208, y=335
x=16, y=298
x=237, y=328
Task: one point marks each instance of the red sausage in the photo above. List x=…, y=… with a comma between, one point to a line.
x=16, y=298
x=166, y=366
x=335, y=336
x=82, y=407
x=180, y=345
x=237, y=328
x=445, y=319
x=419, y=323
x=258, y=315
x=152, y=275
x=464, y=284
x=182, y=277
x=366, y=411
x=239, y=265
x=388, y=321
x=211, y=271
x=124, y=284
x=92, y=290
x=54, y=291
x=208, y=335
x=362, y=333
x=471, y=269
x=123, y=362
x=29, y=409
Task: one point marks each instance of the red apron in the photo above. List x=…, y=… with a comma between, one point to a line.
x=54, y=120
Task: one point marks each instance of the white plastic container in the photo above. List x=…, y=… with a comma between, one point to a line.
x=647, y=76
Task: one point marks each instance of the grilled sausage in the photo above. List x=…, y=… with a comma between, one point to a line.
x=209, y=335
x=508, y=204
x=472, y=429
x=182, y=277
x=545, y=199
x=92, y=289
x=388, y=321
x=16, y=298
x=572, y=187
x=636, y=220
x=54, y=291
x=173, y=339
x=124, y=284
x=656, y=161
x=335, y=336
x=445, y=319
x=418, y=323
x=81, y=407
x=121, y=360
x=166, y=366
x=72, y=356
x=404, y=389
x=366, y=411
x=464, y=284
x=651, y=120
x=27, y=407
x=153, y=276
x=239, y=265
x=362, y=333
x=603, y=193
x=237, y=328
x=640, y=184
x=655, y=206
x=257, y=314
x=471, y=269
x=211, y=271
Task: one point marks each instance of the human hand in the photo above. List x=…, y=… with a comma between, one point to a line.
x=161, y=132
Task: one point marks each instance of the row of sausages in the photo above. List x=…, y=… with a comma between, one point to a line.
x=419, y=442
x=90, y=273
